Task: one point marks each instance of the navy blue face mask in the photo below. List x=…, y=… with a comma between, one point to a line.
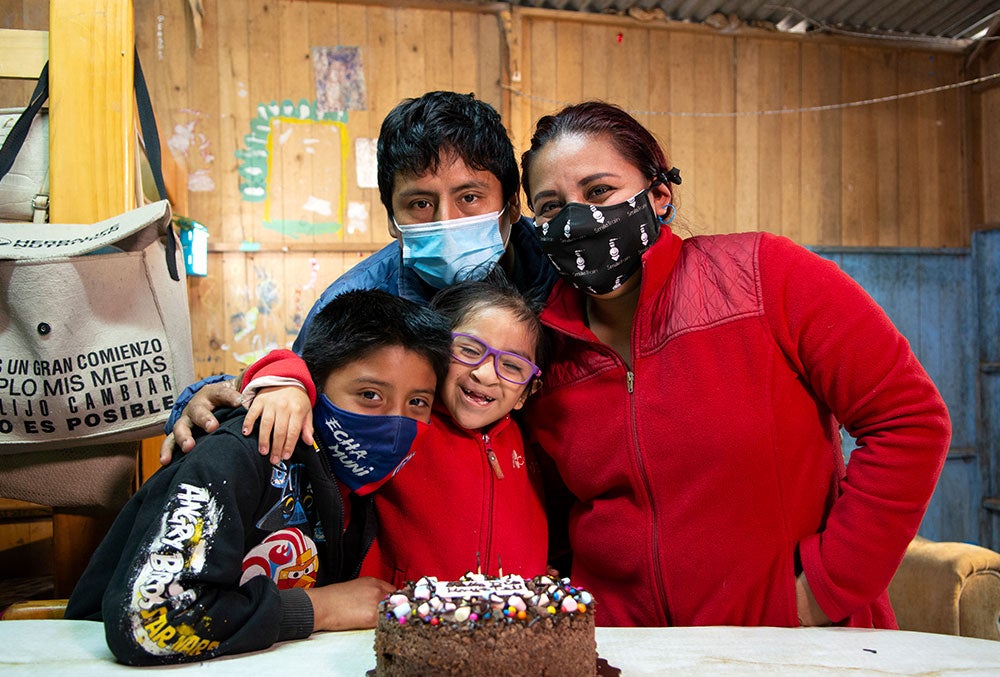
x=365, y=451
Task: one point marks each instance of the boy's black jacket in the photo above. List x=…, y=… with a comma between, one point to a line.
x=166, y=578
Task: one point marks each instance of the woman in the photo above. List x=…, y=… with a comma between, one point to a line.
x=693, y=403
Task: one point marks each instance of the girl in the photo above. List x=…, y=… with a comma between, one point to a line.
x=469, y=498
x=693, y=401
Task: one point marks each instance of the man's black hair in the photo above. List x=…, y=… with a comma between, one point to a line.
x=355, y=323
x=417, y=132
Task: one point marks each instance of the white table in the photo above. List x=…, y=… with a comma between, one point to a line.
x=43, y=648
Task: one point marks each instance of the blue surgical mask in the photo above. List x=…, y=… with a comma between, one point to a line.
x=365, y=451
x=445, y=252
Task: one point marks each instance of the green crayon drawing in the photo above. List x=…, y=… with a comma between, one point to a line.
x=277, y=128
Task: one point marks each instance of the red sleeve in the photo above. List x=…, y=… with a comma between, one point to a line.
x=285, y=364
x=849, y=352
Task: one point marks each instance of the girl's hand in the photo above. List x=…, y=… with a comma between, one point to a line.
x=284, y=413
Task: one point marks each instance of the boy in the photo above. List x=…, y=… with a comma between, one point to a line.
x=223, y=553
x=441, y=157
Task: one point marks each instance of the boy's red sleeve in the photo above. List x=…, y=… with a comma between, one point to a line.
x=284, y=364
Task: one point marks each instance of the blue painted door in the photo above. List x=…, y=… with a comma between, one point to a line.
x=947, y=304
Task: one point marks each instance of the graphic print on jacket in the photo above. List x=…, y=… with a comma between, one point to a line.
x=287, y=556
x=291, y=509
x=180, y=547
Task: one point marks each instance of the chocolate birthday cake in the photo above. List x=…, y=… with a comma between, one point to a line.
x=482, y=625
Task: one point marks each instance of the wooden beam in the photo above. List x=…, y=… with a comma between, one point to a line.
x=92, y=140
x=23, y=53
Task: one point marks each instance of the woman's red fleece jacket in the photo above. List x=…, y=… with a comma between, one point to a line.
x=707, y=472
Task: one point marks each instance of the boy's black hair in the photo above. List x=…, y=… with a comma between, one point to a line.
x=418, y=131
x=355, y=323
x=496, y=290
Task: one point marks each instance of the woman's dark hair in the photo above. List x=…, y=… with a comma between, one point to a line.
x=417, y=132
x=594, y=118
x=355, y=323
x=463, y=299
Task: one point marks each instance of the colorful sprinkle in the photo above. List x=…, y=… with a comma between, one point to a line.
x=475, y=597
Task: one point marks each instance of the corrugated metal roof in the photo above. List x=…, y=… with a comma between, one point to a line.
x=951, y=19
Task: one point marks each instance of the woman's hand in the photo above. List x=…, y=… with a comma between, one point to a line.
x=284, y=413
x=352, y=605
x=198, y=415
x=809, y=612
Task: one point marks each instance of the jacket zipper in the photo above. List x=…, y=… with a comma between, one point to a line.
x=494, y=462
x=657, y=569
x=630, y=386
x=325, y=463
x=495, y=465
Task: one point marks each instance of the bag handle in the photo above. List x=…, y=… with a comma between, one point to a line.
x=19, y=132
x=150, y=137
x=147, y=123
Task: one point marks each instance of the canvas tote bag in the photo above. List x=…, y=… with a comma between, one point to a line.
x=95, y=332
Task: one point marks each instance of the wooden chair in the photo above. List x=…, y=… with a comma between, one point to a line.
x=43, y=609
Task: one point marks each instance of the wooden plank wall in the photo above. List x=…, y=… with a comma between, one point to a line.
x=984, y=135
x=889, y=174
x=882, y=175
x=251, y=86
x=27, y=15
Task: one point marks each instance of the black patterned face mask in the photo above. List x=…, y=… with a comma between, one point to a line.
x=598, y=248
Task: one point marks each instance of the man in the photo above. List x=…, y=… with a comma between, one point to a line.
x=444, y=161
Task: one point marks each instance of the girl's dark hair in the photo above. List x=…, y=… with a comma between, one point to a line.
x=418, y=131
x=355, y=323
x=593, y=118
x=461, y=300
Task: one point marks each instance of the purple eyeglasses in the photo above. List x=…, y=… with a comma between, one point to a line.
x=471, y=351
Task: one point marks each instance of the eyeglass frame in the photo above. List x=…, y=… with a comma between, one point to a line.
x=495, y=353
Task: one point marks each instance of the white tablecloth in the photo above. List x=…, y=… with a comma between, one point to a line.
x=43, y=648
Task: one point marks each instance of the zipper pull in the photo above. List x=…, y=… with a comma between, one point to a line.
x=630, y=382
x=494, y=461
